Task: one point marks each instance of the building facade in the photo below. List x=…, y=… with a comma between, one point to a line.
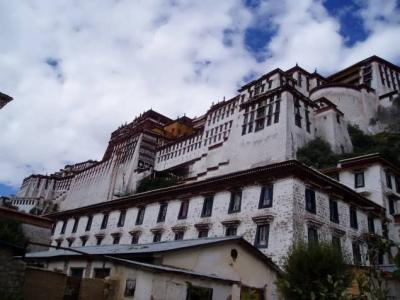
x=271, y=207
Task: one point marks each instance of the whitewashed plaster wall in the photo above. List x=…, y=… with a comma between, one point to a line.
x=288, y=213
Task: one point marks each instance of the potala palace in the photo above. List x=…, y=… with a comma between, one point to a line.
x=236, y=171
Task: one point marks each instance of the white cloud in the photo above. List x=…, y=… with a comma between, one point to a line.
x=115, y=59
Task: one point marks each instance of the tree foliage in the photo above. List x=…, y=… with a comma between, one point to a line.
x=11, y=232
x=152, y=183
x=315, y=271
x=317, y=153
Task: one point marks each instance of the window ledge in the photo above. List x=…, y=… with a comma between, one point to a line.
x=264, y=219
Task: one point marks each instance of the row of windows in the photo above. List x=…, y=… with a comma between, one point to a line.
x=312, y=235
x=221, y=113
x=310, y=203
x=266, y=114
x=266, y=197
x=23, y=202
x=298, y=117
x=182, y=144
x=180, y=152
x=389, y=77
x=261, y=237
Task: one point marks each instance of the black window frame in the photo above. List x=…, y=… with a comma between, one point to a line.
x=207, y=206
x=358, y=184
x=388, y=177
x=179, y=235
x=135, y=238
x=333, y=211
x=337, y=242
x=198, y=292
x=234, y=193
x=89, y=223
x=140, y=215
x=266, y=190
x=257, y=241
x=104, y=221
x=371, y=224
x=116, y=239
x=310, y=200
x=64, y=227
x=231, y=230
x=397, y=184
x=312, y=234
x=99, y=239
x=162, y=212
x=75, y=226
x=355, y=247
x=183, y=213
x=157, y=235
x=353, y=217
x=121, y=218
x=203, y=232
x=391, y=203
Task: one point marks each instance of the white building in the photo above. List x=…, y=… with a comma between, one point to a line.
x=271, y=207
x=237, y=171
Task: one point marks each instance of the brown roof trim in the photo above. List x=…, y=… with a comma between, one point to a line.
x=241, y=178
x=367, y=160
x=25, y=218
x=247, y=85
x=363, y=62
x=342, y=85
x=222, y=104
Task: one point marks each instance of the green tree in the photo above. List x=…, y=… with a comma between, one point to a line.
x=152, y=183
x=11, y=232
x=317, y=153
x=315, y=271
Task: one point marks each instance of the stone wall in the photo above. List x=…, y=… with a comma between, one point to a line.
x=11, y=274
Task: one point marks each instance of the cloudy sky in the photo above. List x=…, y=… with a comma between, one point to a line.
x=79, y=69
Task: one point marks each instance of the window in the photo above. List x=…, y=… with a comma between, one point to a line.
x=312, y=234
x=388, y=179
x=353, y=218
x=140, y=216
x=121, y=220
x=359, y=179
x=266, y=196
x=207, y=206
x=101, y=273
x=162, y=212
x=76, y=272
x=231, y=231
x=203, y=232
x=59, y=242
x=104, y=221
x=116, y=239
x=310, y=201
x=277, y=110
x=70, y=242
x=371, y=225
x=333, y=209
x=135, y=238
x=64, y=225
x=308, y=122
x=391, y=206
x=99, y=239
x=157, y=236
x=397, y=182
x=297, y=115
x=235, y=203
x=75, y=227
x=336, y=242
x=262, y=235
x=356, y=253
x=197, y=293
x=183, y=211
x=179, y=235
x=84, y=240
x=89, y=223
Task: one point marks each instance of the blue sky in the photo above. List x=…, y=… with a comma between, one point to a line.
x=79, y=69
